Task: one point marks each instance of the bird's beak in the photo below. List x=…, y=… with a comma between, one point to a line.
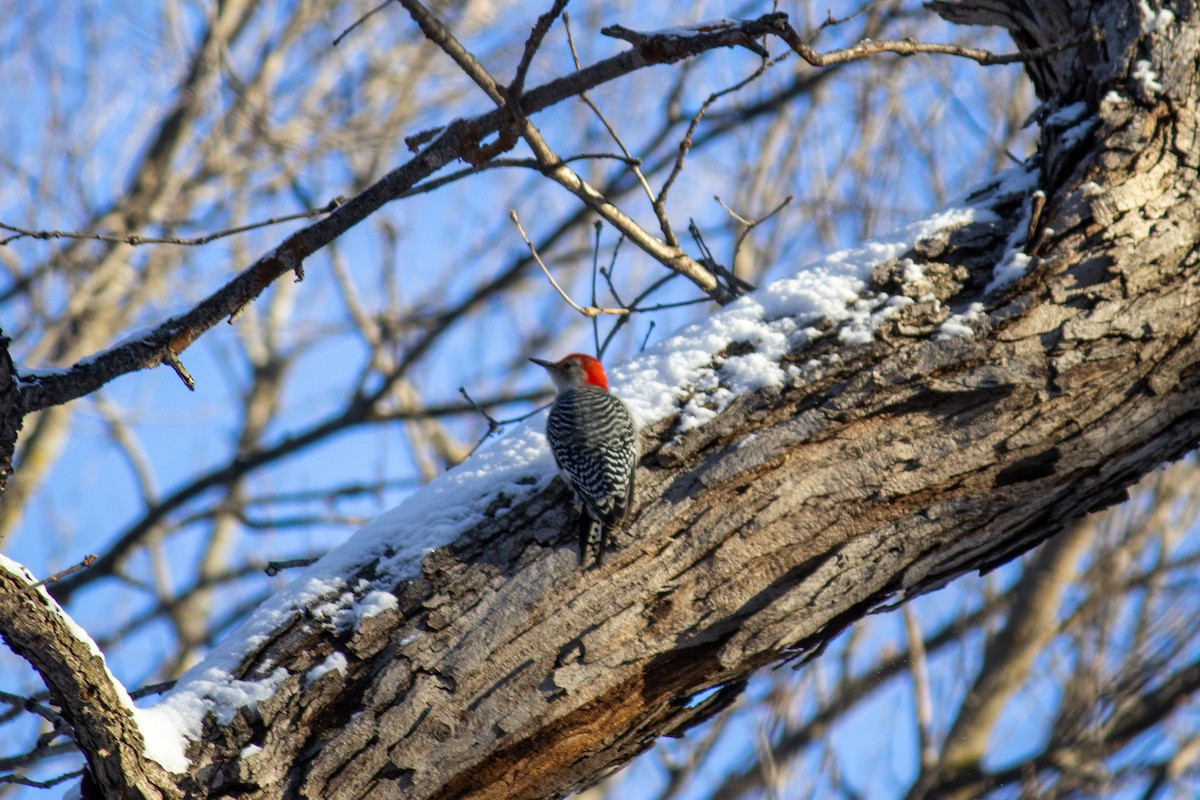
x=550, y=365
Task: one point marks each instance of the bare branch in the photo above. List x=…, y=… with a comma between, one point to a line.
x=137, y=239
x=494, y=425
x=554, y=167
x=360, y=21
x=669, y=47
x=635, y=164
x=536, y=36
x=590, y=311
x=865, y=49
x=97, y=708
x=440, y=35
x=686, y=144
x=172, y=361
x=86, y=562
x=49, y=783
x=749, y=224
x=666, y=47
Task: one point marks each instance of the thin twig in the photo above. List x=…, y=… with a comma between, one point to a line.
x=612, y=132
x=495, y=425
x=738, y=285
x=646, y=338
x=153, y=688
x=536, y=36
x=360, y=21
x=273, y=568
x=138, y=239
x=87, y=561
x=499, y=163
x=589, y=311
x=748, y=224
x=172, y=361
x=830, y=20
x=734, y=214
x=49, y=783
x=654, y=287
x=33, y=704
x=908, y=48
x=686, y=144
x=607, y=272
x=598, y=226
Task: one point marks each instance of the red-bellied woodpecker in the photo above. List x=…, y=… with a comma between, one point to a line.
x=594, y=442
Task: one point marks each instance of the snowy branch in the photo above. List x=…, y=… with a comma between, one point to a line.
x=101, y=714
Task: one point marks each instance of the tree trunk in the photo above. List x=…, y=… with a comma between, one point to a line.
x=12, y=413
x=506, y=672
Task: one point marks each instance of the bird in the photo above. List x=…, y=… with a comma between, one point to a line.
x=594, y=441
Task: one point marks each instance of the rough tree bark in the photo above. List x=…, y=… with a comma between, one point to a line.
x=11, y=412
x=505, y=672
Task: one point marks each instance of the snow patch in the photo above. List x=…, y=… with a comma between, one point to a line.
x=178, y=716
x=1148, y=78
x=1155, y=20
x=1073, y=135
x=334, y=662
x=1015, y=261
x=374, y=603
x=165, y=729
x=1014, y=264
x=1073, y=122
x=1066, y=115
x=960, y=325
x=345, y=612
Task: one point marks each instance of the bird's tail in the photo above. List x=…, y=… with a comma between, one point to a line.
x=593, y=537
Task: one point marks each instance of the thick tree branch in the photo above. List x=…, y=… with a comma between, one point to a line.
x=97, y=707
x=11, y=412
